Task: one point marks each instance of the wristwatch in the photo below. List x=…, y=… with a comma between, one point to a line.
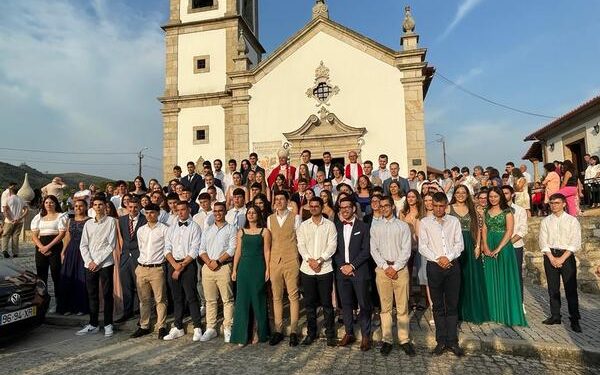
x=320, y=261
x=219, y=263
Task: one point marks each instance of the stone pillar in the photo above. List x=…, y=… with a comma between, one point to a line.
x=170, y=114
x=536, y=173
x=174, y=16
x=172, y=43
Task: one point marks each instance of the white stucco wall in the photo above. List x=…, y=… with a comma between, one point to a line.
x=371, y=95
x=188, y=118
x=203, y=15
x=211, y=43
x=592, y=140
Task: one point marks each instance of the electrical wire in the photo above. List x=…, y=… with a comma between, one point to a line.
x=68, y=152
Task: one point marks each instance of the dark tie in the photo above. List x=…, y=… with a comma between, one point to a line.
x=182, y=223
x=131, y=229
x=347, y=222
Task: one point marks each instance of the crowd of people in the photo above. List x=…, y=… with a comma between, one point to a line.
x=347, y=238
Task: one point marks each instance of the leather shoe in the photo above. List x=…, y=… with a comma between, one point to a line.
x=551, y=320
x=294, y=339
x=332, y=341
x=140, y=332
x=308, y=340
x=276, y=338
x=386, y=349
x=439, y=349
x=408, y=348
x=347, y=340
x=456, y=350
x=162, y=332
x=365, y=344
x=575, y=325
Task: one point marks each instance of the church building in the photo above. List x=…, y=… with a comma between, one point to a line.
x=327, y=88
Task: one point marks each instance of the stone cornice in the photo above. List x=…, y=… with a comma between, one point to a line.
x=250, y=37
x=183, y=98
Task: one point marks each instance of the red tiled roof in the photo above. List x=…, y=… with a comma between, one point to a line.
x=534, y=152
x=567, y=116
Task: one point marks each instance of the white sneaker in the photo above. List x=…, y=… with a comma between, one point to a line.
x=208, y=335
x=87, y=329
x=108, y=330
x=174, y=333
x=202, y=311
x=197, y=334
x=227, y=335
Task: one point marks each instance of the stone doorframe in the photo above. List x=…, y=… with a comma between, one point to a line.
x=324, y=133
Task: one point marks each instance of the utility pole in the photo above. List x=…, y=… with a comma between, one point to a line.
x=140, y=157
x=442, y=140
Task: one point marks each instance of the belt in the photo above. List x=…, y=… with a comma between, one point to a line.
x=390, y=263
x=150, y=265
x=557, y=252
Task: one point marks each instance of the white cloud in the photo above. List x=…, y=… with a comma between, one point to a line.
x=81, y=77
x=463, y=10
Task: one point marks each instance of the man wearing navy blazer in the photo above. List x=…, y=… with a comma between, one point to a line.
x=351, y=261
x=130, y=252
x=193, y=180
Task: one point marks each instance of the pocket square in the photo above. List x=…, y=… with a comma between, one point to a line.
x=356, y=234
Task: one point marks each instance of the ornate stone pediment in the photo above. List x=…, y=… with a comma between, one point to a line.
x=325, y=132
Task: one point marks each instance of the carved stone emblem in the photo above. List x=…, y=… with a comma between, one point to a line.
x=322, y=90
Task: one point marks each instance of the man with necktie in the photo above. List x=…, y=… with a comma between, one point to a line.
x=193, y=181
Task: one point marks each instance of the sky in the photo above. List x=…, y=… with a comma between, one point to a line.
x=82, y=76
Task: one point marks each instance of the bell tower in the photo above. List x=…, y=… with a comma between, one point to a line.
x=202, y=44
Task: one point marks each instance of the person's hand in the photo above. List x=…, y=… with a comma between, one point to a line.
x=486, y=251
x=175, y=275
x=314, y=265
x=43, y=249
x=553, y=261
x=234, y=276
x=391, y=273
x=62, y=257
x=267, y=276
x=495, y=253
x=477, y=252
x=347, y=270
x=93, y=266
x=444, y=262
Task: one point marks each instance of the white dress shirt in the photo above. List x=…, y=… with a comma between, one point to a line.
x=183, y=240
x=520, y=225
x=591, y=171
x=347, y=238
x=116, y=200
x=236, y=217
x=560, y=232
x=15, y=206
x=204, y=219
x=172, y=220
x=390, y=242
x=317, y=241
x=440, y=240
x=151, y=242
x=227, y=180
x=220, y=194
x=218, y=241
x=383, y=174
x=527, y=177
x=98, y=240
x=282, y=218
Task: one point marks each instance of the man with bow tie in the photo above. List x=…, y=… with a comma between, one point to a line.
x=351, y=261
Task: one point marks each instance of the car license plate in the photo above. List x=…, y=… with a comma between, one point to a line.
x=15, y=316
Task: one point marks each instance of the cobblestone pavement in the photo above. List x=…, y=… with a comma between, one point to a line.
x=536, y=304
x=56, y=350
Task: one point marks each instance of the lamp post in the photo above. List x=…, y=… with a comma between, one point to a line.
x=140, y=157
x=442, y=140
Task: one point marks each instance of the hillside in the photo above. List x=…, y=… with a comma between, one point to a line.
x=37, y=179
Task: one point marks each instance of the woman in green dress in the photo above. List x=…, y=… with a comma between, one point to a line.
x=500, y=263
x=251, y=273
x=472, y=306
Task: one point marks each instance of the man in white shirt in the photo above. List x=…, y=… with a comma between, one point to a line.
x=98, y=241
x=526, y=175
x=236, y=216
x=469, y=181
x=209, y=180
x=216, y=251
x=441, y=242
x=228, y=178
x=150, y=275
x=519, y=231
x=15, y=210
x=121, y=189
x=218, y=172
x=305, y=159
x=284, y=267
x=560, y=238
x=317, y=242
x=56, y=188
x=181, y=249
x=6, y=193
x=390, y=249
x=383, y=172
x=172, y=200
x=83, y=193
x=204, y=218
x=157, y=198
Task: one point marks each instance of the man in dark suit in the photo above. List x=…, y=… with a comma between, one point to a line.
x=253, y=159
x=327, y=167
x=193, y=181
x=351, y=261
x=130, y=252
x=394, y=171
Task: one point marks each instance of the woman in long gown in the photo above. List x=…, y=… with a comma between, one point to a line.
x=500, y=263
x=73, y=294
x=472, y=306
x=251, y=273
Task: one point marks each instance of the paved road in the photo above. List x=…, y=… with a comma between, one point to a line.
x=56, y=350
